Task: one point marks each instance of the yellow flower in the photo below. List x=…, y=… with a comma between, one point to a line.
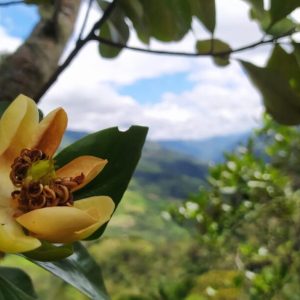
x=36, y=201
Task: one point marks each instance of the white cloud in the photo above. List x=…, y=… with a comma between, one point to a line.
x=221, y=101
x=8, y=43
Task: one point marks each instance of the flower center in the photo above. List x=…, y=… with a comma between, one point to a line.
x=37, y=186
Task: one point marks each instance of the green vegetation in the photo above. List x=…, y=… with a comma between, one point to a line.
x=236, y=238
x=247, y=219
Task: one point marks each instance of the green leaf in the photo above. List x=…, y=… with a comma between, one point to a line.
x=134, y=11
x=281, y=8
x=214, y=46
x=286, y=65
x=114, y=29
x=49, y=252
x=280, y=100
x=167, y=20
x=257, y=4
x=15, y=284
x=81, y=271
x=281, y=27
x=257, y=11
x=205, y=11
x=121, y=149
x=297, y=52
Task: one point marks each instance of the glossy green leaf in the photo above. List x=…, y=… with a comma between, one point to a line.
x=121, y=149
x=280, y=100
x=81, y=271
x=281, y=8
x=114, y=29
x=15, y=284
x=50, y=252
x=167, y=20
x=205, y=11
x=214, y=46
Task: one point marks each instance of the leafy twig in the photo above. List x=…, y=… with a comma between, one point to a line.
x=193, y=54
x=92, y=36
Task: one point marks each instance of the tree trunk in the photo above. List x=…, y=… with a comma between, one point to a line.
x=30, y=67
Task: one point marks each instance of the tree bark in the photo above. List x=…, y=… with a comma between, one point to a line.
x=29, y=68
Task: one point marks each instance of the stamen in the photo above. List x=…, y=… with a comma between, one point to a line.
x=39, y=193
x=21, y=164
x=37, y=202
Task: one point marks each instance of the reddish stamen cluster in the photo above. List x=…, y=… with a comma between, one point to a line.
x=34, y=194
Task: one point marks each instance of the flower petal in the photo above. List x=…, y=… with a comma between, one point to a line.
x=18, y=126
x=101, y=207
x=56, y=224
x=12, y=237
x=51, y=130
x=5, y=182
x=90, y=166
x=63, y=224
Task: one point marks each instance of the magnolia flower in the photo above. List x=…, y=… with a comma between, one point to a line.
x=36, y=200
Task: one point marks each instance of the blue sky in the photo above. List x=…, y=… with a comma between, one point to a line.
x=178, y=98
x=155, y=87
x=18, y=19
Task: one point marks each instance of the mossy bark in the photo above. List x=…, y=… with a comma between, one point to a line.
x=29, y=68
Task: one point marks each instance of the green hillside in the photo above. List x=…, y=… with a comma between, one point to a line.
x=162, y=172
x=168, y=174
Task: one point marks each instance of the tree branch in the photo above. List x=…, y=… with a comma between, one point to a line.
x=8, y=3
x=85, y=19
x=32, y=64
x=80, y=43
x=193, y=54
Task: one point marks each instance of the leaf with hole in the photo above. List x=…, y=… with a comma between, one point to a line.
x=121, y=149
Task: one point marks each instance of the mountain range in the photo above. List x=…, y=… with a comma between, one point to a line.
x=174, y=169
x=205, y=150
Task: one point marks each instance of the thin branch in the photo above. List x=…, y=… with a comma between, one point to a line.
x=80, y=43
x=104, y=17
x=85, y=19
x=11, y=3
x=193, y=54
